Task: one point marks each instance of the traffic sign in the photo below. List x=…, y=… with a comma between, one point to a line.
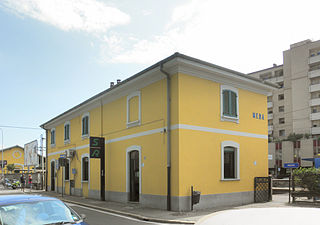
x=291, y=165
x=96, y=147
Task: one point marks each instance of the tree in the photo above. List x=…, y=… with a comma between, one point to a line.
x=11, y=167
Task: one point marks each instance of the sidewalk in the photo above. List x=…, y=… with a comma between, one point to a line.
x=156, y=215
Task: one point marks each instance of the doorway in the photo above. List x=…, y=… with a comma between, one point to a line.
x=52, y=176
x=134, y=177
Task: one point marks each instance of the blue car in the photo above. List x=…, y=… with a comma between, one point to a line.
x=36, y=210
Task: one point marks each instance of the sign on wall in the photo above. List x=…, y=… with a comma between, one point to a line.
x=96, y=147
x=30, y=154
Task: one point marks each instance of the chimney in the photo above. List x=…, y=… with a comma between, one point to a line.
x=111, y=84
x=274, y=65
x=118, y=81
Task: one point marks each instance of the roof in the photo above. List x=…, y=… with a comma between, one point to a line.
x=15, y=199
x=16, y=146
x=158, y=64
x=259, y=71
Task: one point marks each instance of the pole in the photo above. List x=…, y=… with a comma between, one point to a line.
x=2, y=153
x=42, y=161
x=290, y=184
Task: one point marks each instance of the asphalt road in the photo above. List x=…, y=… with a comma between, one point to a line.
x=98, y=217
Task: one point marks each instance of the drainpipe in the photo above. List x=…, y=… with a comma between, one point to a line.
x=47, y=169
x=168, y=137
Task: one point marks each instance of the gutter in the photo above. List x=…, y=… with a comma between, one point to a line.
x=168, y=137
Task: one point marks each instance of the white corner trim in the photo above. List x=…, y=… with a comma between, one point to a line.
x=224, y=117
x=237, y=147
x=130, y=149
x=137, y=122
x=85, y=135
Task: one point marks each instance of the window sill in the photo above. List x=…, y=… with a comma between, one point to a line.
x=53, y=145
x=230, y=119
x=230, y=179
x=85, y=136
x=133, y=124
x=66, y=180
x=84, y=181
x=66, y=142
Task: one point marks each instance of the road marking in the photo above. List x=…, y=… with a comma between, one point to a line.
x=112, y=214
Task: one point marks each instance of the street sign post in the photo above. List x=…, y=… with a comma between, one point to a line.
x=290, y=166
x=97, y=146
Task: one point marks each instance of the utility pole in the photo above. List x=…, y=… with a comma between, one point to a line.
x=2, y=154
x=42, y=160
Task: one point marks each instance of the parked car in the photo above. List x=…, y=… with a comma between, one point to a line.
x=263, y=216
x=36, y=210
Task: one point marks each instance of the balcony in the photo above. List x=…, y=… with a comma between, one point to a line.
x=315, y=116
x=270, y=129
x=314, y=73
x=270, y=116
x=275, y=79
x=269, y=104
x=314, y=87
x=315, y=102
x=314, y=59
x=315, y=130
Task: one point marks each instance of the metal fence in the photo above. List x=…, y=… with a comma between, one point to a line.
x=262, y=189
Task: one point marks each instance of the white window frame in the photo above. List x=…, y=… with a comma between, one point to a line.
x=237, y=147
x=55, y=135
x=67, y=141
x=137, y=122
x=224, y=117
x=64, y=171
x=83, y=156
x=130, y=149
x=88, y=134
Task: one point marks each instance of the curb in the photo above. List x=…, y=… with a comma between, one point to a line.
x=139, y=217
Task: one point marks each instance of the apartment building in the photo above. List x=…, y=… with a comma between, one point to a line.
x=294, y=108
x=181, y=122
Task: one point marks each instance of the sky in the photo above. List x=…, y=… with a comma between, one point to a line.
x=55, y=54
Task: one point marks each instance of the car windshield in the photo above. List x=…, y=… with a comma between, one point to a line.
x=37, y=213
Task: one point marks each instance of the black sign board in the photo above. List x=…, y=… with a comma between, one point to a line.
x=96, y=147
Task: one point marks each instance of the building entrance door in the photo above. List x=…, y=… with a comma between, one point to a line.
x=52, y=176
x=134, y=176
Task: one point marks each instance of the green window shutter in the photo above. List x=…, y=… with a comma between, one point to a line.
x=225, y=103
x=233, y=104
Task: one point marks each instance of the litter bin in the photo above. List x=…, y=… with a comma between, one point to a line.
x=196, y=197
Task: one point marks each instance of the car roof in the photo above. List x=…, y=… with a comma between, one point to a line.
x=14, y=199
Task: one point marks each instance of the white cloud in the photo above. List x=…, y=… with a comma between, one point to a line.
x=82, y=15
x=242, y=35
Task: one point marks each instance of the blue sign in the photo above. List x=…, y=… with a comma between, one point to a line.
x=291, y=165
x=258, y=116
x=63, y=156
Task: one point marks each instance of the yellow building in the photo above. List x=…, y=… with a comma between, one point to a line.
x=181, y=122
x=12, y=155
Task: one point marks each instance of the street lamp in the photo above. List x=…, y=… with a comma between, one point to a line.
x=2, y=152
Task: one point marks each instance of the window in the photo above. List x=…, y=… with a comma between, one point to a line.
x=230, y=169
x=134, y=109
x=229, y=106
x=281, y=97
x=85, y=168
x=282, y=133
x=53, y=136
x=270, y=111
x=269, y=99
x=281, y=120
x=85, y=125
x=281, y=108
x=67, y=171
x=280, y=84
x=67, y=132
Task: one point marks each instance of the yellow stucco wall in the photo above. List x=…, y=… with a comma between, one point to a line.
x=14, y=155
x=196, y=154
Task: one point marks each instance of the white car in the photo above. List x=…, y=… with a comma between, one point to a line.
x=263, y=216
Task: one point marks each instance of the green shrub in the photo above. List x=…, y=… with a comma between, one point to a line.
x=308, y=178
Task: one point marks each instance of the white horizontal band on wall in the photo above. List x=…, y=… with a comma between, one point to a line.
x=173, y=127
